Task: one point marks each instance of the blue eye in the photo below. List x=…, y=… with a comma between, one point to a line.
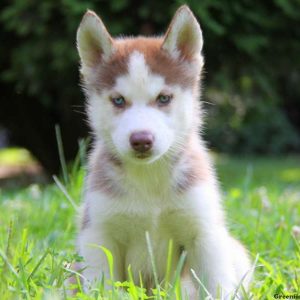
x=163, y=99
x=118, y=101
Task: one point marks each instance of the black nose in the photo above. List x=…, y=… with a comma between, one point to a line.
x=141, y=141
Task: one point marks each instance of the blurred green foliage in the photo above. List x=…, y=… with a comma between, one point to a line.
x=252, y=66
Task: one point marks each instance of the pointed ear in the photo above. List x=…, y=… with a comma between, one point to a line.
x=94, y=43
x=183, y=37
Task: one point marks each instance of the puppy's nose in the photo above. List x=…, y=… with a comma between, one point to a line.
x=141, y=141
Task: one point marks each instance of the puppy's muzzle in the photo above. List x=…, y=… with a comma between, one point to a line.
x=142, y=142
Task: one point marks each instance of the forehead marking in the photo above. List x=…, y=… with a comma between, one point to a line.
x=137, y=68
x=145, y=54
x=139, y=83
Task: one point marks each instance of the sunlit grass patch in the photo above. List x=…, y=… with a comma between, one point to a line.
x=291, y=175
x=15, y=156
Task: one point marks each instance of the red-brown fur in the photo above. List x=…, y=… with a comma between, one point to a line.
x=156, y=58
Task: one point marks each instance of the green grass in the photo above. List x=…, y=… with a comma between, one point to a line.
x=15, y=156
x=261, y=197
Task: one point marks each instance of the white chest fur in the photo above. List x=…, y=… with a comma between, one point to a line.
x=120, y=224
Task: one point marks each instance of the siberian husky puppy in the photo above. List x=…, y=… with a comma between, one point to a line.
x=149, y=170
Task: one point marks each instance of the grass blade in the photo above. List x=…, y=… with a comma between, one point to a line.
x=7, y=263
x=132, y=287
x=169, y=264
x=37, y=266
x=176, y=282
x=150, y=251
x=61, y=154
x=209, y=296
x=65, y=192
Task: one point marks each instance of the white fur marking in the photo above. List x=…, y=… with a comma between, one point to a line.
x=139, y=85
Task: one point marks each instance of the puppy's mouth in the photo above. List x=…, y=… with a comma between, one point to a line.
x=142, y=155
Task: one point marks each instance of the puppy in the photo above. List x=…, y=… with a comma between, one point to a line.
x=149, y=170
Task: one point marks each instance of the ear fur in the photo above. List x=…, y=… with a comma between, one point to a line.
x=184, y=36
x=94, y=43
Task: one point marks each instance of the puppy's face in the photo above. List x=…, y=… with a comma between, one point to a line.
x=142, y=93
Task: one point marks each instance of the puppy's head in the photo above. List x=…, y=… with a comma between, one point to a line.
x=142, y=92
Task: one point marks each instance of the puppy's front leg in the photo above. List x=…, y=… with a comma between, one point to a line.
x=96, y=264
x=210, y=252
x=210, y=258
